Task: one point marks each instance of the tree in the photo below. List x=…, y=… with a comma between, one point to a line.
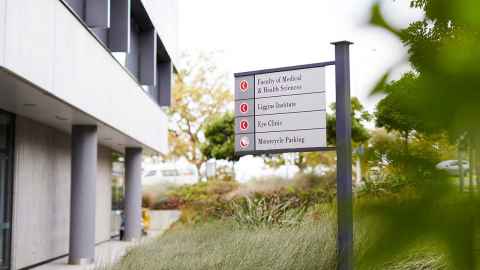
x=199, y=96
x=360, y=116
x=311, y=160
x=395, y=112
x=220, y=138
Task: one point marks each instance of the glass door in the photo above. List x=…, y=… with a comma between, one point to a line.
x=6, y=181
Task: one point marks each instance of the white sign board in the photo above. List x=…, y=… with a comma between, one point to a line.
x=280, y=110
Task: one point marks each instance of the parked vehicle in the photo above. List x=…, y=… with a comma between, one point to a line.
x=169, y=173
x=453, y=166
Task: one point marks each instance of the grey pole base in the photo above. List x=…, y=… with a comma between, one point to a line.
x=80, y=261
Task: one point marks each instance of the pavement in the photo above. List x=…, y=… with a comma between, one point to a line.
x=112, y=251
x=106, y=254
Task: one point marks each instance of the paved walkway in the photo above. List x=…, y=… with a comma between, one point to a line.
x=110, y=252
x=105, y=254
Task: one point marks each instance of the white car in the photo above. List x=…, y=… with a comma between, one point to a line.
x=169, y=173
x=453, y=166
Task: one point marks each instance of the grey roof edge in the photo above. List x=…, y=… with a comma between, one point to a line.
x=282, y=69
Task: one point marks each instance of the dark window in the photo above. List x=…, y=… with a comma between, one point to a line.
x=6, y=183
x=4, y=121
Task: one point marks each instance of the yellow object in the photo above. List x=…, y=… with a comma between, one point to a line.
x=146, y=218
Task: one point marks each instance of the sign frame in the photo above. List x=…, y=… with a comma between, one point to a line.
x=275, y=70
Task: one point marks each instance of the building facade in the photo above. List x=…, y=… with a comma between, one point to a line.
x=79, y=81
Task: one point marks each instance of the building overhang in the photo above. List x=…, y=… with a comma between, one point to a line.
x=50, y=59
x=21, y=97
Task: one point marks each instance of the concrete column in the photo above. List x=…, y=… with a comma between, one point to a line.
x=82, y=211
x=133, y=193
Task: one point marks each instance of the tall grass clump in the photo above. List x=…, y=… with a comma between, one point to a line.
x=268, y=211
x=223, y=245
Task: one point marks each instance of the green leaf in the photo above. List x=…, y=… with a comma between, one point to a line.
x=380, y=85
x=378, y=20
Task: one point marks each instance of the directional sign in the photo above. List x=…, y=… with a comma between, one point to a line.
x=280, y=110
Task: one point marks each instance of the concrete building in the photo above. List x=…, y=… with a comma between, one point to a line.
x=79, y=80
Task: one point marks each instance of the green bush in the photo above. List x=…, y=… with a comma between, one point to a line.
x=203, y=201
x=269, y=201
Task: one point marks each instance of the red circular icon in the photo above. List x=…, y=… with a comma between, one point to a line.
x=244, y=125
x=244, y=86
x=244, y=107
x=244, y=142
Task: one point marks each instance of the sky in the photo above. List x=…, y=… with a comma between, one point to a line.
x=257, y=34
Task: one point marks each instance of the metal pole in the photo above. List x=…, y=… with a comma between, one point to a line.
x=344, y=156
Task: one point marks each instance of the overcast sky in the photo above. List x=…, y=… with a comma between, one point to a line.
x=258, y=34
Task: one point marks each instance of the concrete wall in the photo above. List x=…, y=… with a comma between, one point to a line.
x=104, y=195
x=3, y=4
x=41, y=212
x=41, y=194
x=47, y=45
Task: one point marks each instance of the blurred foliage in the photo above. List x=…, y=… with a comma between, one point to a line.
x=443, y=51
x=386, y=152
x=432, y=212
x=440, y=97
x=220, y=138
x=199, y=96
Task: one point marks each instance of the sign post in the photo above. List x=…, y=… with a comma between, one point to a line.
x=344, y=156
x=284, y=110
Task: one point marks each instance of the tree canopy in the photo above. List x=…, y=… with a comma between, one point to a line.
x=443, y=50
x=220, y=138
x=396, y=110
x=199, y=96
x=359, y=117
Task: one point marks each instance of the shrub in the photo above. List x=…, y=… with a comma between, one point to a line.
x=267, y=201
x=167, y=204
x=202, y=201
x=148, y=200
